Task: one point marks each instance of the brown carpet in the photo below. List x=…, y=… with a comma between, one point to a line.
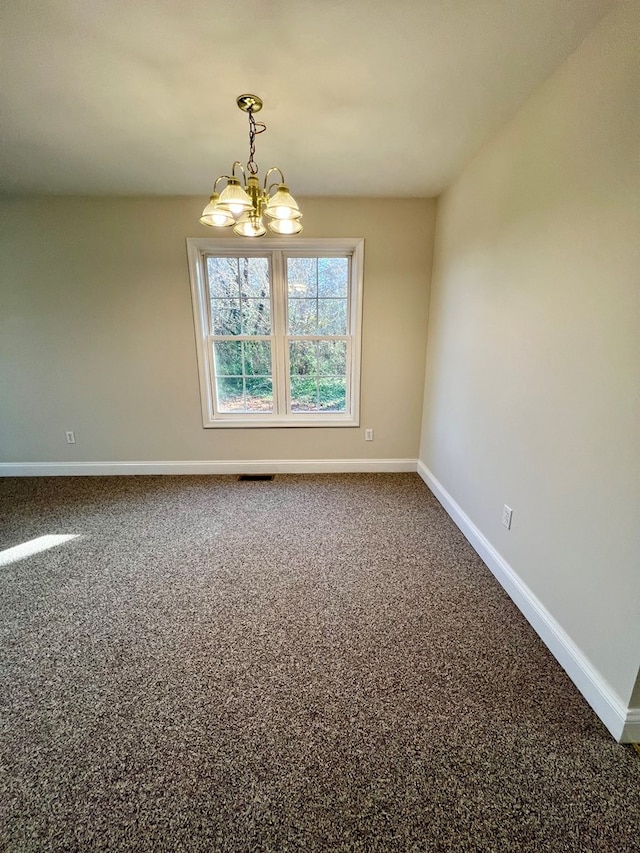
x=318, y=663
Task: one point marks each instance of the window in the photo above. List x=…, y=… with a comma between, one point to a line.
x=277, y=331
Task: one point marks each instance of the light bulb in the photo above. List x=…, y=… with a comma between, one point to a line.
x=282, y=212
x=285, y=226
x=219, y=219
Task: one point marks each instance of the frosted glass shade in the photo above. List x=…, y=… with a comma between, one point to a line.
x=250, y=225
x=213, y=214
x=282, y=205
x=234, y=199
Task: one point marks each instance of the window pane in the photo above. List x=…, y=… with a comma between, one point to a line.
x=223, y=277
x=230, y=396
x=259, y=394
x=302, y=358
x=332, y=316
x=225, y=316
x=254, y=277
x=257, y=358
x=332, y=358
x=302, y=317
x=304, y=394
x=332, y=394
x=302, y=277
x=228, y=358
x=333, y=277
x=256, y=317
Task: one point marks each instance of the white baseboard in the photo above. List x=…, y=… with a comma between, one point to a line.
x=622, y=722
x=236, y=466
x=631, y=730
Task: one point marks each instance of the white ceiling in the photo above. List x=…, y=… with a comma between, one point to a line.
x=362, y=97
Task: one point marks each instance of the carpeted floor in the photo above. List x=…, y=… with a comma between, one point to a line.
x=318, y=663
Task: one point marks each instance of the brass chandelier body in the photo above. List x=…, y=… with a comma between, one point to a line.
x=243, y=203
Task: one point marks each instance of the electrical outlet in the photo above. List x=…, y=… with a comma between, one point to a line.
x=368, y=435
x=507, y=512
x=71, y=436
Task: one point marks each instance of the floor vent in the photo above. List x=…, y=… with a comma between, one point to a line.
x=253, y=478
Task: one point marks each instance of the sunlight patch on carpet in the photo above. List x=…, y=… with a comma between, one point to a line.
x=34, y=546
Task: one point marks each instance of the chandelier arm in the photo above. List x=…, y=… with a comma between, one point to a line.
x=219, y=178
x=266, y=178
x=240, y=166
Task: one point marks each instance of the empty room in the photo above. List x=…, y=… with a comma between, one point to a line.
x=320, y=426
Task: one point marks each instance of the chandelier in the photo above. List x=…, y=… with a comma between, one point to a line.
x=243, y=203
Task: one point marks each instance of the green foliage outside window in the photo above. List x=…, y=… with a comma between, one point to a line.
x=317, y=305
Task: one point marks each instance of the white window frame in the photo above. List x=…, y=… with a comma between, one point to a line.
x=277, y=250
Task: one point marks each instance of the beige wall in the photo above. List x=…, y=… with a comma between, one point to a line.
x=533, y=365
x=96, y=332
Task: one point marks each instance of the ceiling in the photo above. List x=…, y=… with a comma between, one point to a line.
x=362, y=97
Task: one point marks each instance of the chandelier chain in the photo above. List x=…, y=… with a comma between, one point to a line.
x=255, y=127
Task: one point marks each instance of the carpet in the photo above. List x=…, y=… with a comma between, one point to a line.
x=316, y=663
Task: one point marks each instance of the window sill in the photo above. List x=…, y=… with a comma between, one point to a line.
x=249, y=422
